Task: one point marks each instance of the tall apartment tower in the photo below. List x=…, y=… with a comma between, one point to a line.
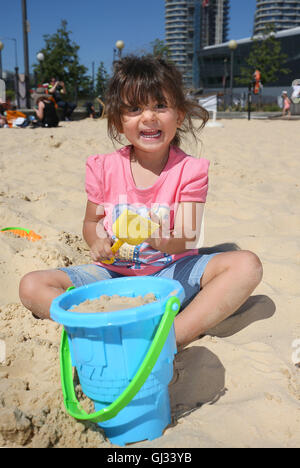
x=191, y=25
x=284, y=14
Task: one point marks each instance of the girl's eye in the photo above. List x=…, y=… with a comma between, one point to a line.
x=134, y=110
x=161, y=106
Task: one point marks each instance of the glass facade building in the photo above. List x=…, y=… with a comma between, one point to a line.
x=191, y=25
x=284, y=14
x=215, y=61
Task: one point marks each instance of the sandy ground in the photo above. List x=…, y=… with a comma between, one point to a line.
x=239, y=386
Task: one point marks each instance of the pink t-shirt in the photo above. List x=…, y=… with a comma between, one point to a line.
x=109, y=183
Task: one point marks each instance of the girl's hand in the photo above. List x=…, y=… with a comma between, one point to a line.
x=101, y=249
x=161, y=236
x=185, y=234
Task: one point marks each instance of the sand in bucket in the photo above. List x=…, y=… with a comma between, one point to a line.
x=112, y=303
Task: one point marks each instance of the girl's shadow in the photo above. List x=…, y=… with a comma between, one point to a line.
x=199, y=376
x=256, y=308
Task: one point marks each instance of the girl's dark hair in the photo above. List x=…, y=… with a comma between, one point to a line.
x=44, y=98
x=136, y=79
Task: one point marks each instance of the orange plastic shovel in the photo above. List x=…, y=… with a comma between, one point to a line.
x=21, y=232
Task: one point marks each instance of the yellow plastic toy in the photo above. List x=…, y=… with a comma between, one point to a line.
x=131, y=228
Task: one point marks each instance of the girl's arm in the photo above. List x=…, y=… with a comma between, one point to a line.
x=40, y=110
x=53, y=88
x=186, y=233
x=63, y=91
x=94, y=233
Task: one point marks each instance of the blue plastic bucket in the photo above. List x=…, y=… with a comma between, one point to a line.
x=109, y=348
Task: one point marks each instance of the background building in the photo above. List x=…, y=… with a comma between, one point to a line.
x=284, y=14
x=214, y=22
x=191, y=25
x=215, y=65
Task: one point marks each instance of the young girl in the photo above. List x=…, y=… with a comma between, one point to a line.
x=154, y=178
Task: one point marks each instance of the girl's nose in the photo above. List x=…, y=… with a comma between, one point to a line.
x=148, y=114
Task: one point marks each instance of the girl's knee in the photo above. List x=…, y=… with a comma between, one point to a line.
x=249, y=264
x=28, y=285
x=242, y=264
x=40, y=281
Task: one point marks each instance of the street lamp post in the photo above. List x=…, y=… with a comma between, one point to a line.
x=120, y=46
x=26, y=54
x=1, y=48
x=16, y=69
x=225, y=82
x=232, y=46
x=40, y=56
x=249, y=100
x=93, y=78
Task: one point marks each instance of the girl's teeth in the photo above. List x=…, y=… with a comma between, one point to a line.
x=151, y=134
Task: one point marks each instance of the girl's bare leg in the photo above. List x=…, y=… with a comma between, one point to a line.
x=38, y=289
x=227, y=282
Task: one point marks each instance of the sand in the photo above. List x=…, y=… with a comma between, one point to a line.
x=112, y=303
x=238, y=386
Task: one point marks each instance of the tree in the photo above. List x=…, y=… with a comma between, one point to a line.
x=101, y=80
x=61, y=60
x=266, y=56
x=160, y=49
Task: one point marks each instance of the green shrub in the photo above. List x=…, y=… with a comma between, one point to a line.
x=10, y=94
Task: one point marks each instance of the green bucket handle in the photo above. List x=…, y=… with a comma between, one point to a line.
x=72, y=404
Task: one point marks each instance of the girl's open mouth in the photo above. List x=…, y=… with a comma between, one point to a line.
x=151, y=134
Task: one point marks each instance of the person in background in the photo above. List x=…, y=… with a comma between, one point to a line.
x=256, y=82
x=58, y=89
x=91, y=111
x=3, y=121
x=45, y=112
x=286, y=104
x=90, y=108
x=101, y=106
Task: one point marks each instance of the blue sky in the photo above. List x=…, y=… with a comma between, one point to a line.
x=96, y=25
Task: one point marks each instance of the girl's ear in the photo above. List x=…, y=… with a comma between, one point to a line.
x=119, y=127
x=180, y=118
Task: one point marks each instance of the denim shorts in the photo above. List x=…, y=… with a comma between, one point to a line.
x=187, y=270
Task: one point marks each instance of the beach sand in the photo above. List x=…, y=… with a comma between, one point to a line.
x=238, y=386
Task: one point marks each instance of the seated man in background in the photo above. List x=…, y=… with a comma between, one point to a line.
x=57, y=89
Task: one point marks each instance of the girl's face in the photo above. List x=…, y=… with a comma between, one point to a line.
x=151, y=128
